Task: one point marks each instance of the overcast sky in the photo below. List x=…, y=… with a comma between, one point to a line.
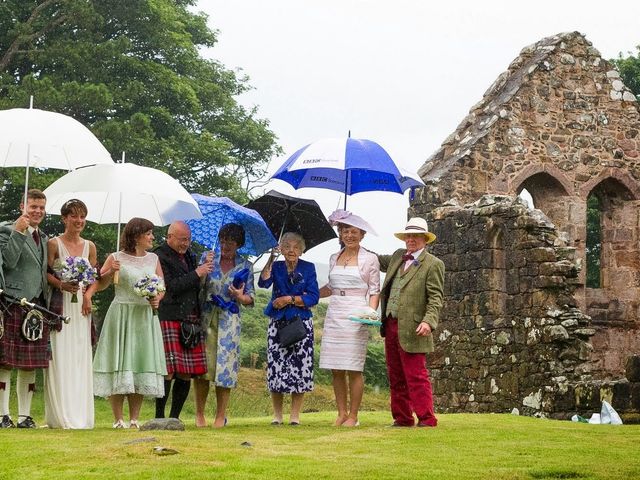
x=402, y=73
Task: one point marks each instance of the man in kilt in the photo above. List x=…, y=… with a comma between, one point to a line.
x=24, y=258
x=179, y=315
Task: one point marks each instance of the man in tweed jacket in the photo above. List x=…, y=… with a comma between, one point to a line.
x=411, y=299
x=24, y=256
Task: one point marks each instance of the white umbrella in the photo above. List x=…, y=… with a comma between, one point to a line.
x=118, y=192
x=30, y=137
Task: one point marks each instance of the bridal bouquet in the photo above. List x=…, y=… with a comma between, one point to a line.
x=149, y=286
x=76, y=270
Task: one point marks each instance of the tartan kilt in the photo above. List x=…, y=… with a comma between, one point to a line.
x=18, y=352
x=181, y=360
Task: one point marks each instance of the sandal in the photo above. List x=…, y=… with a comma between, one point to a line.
x=134, y=424
x=119, y=424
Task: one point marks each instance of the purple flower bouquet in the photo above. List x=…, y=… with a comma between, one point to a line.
x=76, y=270
x=149, y=286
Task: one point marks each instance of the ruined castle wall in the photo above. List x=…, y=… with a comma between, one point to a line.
x=509, y=334
x=561, y=124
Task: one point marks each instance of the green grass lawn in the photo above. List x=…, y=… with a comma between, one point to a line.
x=464, y=446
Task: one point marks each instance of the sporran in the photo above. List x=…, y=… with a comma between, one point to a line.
x=33, y=325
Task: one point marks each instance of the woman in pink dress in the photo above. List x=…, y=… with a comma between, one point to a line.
x=353, y=288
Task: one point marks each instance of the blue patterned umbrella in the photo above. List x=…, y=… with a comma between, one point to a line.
x=219, y=211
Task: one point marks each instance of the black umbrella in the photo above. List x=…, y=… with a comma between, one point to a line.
x=283, y=213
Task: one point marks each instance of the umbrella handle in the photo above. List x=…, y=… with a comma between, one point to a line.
x=116, y=274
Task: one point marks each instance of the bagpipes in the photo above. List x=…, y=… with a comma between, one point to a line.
x=35, y=318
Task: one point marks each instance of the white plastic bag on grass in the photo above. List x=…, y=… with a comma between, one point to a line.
x=609, y=415
x=595, y=419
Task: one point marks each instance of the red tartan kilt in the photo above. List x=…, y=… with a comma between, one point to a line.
x=179, y=359
x=15, y=350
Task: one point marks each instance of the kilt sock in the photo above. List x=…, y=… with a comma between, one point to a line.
x=161, y=402
x=5, y=389
x=25, y=386
x=180, y=393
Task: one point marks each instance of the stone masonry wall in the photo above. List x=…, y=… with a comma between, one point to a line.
x=510, y=333
x=559, y=108
x=520, y=328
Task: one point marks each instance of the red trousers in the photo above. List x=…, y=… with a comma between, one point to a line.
x=409, y=381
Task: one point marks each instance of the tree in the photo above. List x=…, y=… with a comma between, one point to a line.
x=630, y=70
x=132, y=72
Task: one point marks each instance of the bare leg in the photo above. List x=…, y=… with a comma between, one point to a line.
x=277, y=400
x=296, y=406
x=339, y=380
x=356, y=390
x=135, y=404
x=117, y=406
x=202, y=392
x=222, y=401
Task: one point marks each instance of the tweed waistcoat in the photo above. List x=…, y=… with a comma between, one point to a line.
x=398, y=282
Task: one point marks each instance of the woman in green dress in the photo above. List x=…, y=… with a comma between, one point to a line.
x=129, y=360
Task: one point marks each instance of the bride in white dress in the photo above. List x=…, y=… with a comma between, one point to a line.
x=68, y=392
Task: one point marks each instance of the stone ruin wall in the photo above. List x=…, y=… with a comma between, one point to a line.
x=510, y=333
x=560, y=109
x=561, y=124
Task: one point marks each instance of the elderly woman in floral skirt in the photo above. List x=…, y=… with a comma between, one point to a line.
x=295, y=291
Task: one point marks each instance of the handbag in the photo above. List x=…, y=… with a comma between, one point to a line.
x=291, y=332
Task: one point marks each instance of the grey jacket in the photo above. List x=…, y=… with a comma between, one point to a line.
x=24, y=263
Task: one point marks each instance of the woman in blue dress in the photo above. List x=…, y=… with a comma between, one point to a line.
x=228, y=286
x=295, y=291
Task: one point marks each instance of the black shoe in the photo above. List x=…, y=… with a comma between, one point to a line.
x=27, y=423
x=401, y=425
x=6, y=422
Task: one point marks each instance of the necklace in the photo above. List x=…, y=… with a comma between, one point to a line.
x=348, y=259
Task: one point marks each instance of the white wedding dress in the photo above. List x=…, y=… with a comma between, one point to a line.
x=68, y=391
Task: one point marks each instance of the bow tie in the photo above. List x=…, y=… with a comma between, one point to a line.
x=407, y=256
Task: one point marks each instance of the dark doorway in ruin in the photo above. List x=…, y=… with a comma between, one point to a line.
x=594, y=241
x=611, y=292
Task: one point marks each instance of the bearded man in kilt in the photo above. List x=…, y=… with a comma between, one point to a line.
x=24, y=257
x=179, y=315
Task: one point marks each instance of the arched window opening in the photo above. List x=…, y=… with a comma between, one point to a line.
x=546, y=194
x=498, y=273
x=527, y=198
x=594, y=241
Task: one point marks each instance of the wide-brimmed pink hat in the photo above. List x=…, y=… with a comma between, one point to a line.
x=348, y=218
x=416, y=226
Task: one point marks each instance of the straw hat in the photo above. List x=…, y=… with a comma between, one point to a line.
x=416, y=226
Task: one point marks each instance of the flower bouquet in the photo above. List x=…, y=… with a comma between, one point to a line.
x=76, y=270
x=149, y=286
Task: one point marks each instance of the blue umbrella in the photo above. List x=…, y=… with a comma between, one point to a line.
x=347, y=165
x=219, y=211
